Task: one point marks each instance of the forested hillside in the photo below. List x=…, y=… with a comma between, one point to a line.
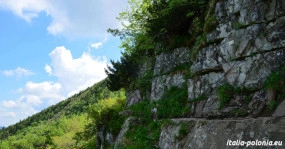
x=59, y=126
x=188, y=67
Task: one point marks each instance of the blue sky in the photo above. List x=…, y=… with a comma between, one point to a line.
x=52, y=49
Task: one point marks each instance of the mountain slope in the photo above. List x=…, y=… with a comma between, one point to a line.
x=57, y=125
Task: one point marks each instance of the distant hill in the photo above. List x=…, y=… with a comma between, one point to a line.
x=1, y=127
x=57, y=124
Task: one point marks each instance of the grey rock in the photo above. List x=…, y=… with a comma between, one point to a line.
x=211, y=107
x=121, y=137
x=133, y=97
x=208, y=59
x=252, y=12
x=158, y=87
x=252, y=71
x=162, y=83
x=226, y=49
x=280, y=111
x=257, y=103
x=271, y=13
x=103, y=137
x=199, y=108
x=167, y=139
x=204, y=84
x=214, y=134
x=168, y=61
x=280, y=7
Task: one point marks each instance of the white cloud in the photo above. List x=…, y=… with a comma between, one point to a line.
x=71, y=18
x=96, y=45
x=76, y=74
x=19, y=72
x=26, y=9
x=73, y=75
x=35, y=93
x=33, y=96
x=13, y=111
x=9, y=104
x=48, y=69
x=8, y=114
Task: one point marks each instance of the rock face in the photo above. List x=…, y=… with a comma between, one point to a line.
x=215, y=134
x=246, y=47
x=120, y=137
x=280, y=111
x=133, y=97
x=164, y=64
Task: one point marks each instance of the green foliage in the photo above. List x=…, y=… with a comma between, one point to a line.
x=143, y=135
x=154, y=27
x=199, y=43
x=122, y=73
x=210, y=20
x=76, y=104
x=276, y=81
x=199, y=98
x=238, y=112
x=106, y=113
x=247, y=99
x=272, y=105
x=143, y=131
x=176, y=17
x=184, y=129
x=238, y=25
x=210, y=24
x=143, y=82
x=174, y=103
x=143, y=110
x=225, y=93
x=49, y=134
x=104, y=116
x=61, y=125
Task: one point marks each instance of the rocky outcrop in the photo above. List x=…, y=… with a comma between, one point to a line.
x=125, y=128
x=165, y=64
x=133, y=97
x=215, y=134
x=246, y=47
x=280, y=111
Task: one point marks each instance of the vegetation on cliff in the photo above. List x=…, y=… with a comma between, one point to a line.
x=154, y=27
x=93, y=118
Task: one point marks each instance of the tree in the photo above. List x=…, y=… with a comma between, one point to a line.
x=122, y=73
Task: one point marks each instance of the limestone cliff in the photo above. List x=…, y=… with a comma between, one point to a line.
x=228, y=81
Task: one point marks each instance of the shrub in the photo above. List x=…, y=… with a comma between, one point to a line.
x=225, y=93
x=174, y=103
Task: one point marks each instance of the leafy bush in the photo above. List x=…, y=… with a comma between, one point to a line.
x=106, y=113
x=121, y=73
x=143, y=135
x=225, y=93
x=184, y=129
x=51, y=134
x=276, y=83
x=174, y=103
